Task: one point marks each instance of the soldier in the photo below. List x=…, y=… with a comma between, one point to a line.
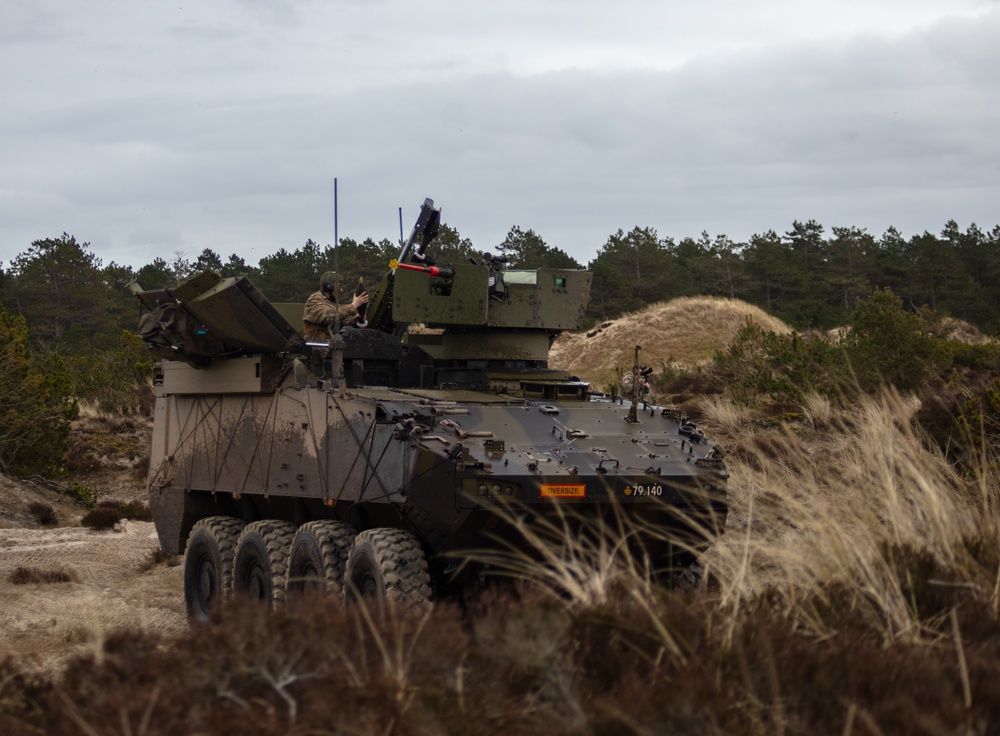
x=637, y=389
x=322, y=308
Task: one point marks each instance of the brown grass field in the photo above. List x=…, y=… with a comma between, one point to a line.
x=856, y=590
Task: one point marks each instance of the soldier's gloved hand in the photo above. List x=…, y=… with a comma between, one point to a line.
x=359, y=299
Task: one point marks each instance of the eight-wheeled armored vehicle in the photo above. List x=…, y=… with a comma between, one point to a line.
x=368, y=464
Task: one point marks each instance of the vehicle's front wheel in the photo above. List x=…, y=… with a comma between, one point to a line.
x=208, y=564
x=389, y=565
x=318, y=559
x=261, y=566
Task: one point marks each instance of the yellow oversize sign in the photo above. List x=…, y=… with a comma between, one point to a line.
x=563, y=491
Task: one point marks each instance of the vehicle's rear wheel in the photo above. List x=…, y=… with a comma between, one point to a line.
x=389, y=565
x=261, y=565
x=318, y=558
x=208, y=564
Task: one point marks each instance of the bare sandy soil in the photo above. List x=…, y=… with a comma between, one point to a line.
x=113, y=579
x=112, y=585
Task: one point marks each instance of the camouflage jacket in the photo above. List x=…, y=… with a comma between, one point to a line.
x=318, y=316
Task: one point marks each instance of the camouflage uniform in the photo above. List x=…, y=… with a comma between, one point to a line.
x=320, y=310
x=635, y=387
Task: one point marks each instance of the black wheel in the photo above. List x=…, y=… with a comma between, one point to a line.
x=261, y=564
x=389, y=565
x=318, y=558
x=208, y=564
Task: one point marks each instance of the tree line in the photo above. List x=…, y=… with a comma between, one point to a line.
x=73, y=303
x=807, y=278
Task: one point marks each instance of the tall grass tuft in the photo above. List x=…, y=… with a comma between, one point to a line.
x=584, y=562
x=875, y=522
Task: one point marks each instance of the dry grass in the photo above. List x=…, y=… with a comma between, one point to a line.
x=684, y=331
x=945, y=328
x=818, y=411
x=108, y=441
x=157, y=558
x=958, y=330
x=723, y=416
x=581, y=562
x=870, y=520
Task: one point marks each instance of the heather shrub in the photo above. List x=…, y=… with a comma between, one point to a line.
x=108, y=513
x=516, y=663
x=22, y=575
x=101, y=518
x=43, y=513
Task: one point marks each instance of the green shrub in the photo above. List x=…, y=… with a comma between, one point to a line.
x=758, y=364
x=889, y=346
x=82, y=494
x=981, y=357
x=886, y=346
x=746, y=364
x=36, y=407
x=980, y=415
x=114, y=380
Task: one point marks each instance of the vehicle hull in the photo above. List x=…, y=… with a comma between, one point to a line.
x=457, y=468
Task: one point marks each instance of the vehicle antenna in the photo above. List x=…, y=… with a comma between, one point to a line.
x=336, y=236
x=336, y=346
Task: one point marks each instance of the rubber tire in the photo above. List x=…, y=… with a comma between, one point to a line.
x=260, y=568
x=208, y=564
x=389, y=565
x=318, y=557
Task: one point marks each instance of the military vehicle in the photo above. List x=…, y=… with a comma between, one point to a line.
x=368, y=464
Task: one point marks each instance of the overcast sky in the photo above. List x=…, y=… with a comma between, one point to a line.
x=148, y=128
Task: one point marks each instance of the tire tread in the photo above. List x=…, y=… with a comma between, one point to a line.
x=335, y=539
x=225, y=531
x=276, y=536
x=402, y=563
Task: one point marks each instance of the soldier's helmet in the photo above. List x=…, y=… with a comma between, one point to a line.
x=330, y=281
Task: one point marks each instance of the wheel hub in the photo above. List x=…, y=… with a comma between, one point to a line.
x=206, y=582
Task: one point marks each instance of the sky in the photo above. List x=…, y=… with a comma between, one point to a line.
x=151, y=129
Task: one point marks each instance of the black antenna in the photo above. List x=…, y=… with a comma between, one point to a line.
x=400, y=225
x=336, y=235
x=336, y=344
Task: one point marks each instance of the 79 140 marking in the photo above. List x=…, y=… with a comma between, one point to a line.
x=644, y=490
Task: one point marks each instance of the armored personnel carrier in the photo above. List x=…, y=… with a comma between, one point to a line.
x=369, y=464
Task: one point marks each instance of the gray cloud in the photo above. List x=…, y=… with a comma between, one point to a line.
x=185, y=132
